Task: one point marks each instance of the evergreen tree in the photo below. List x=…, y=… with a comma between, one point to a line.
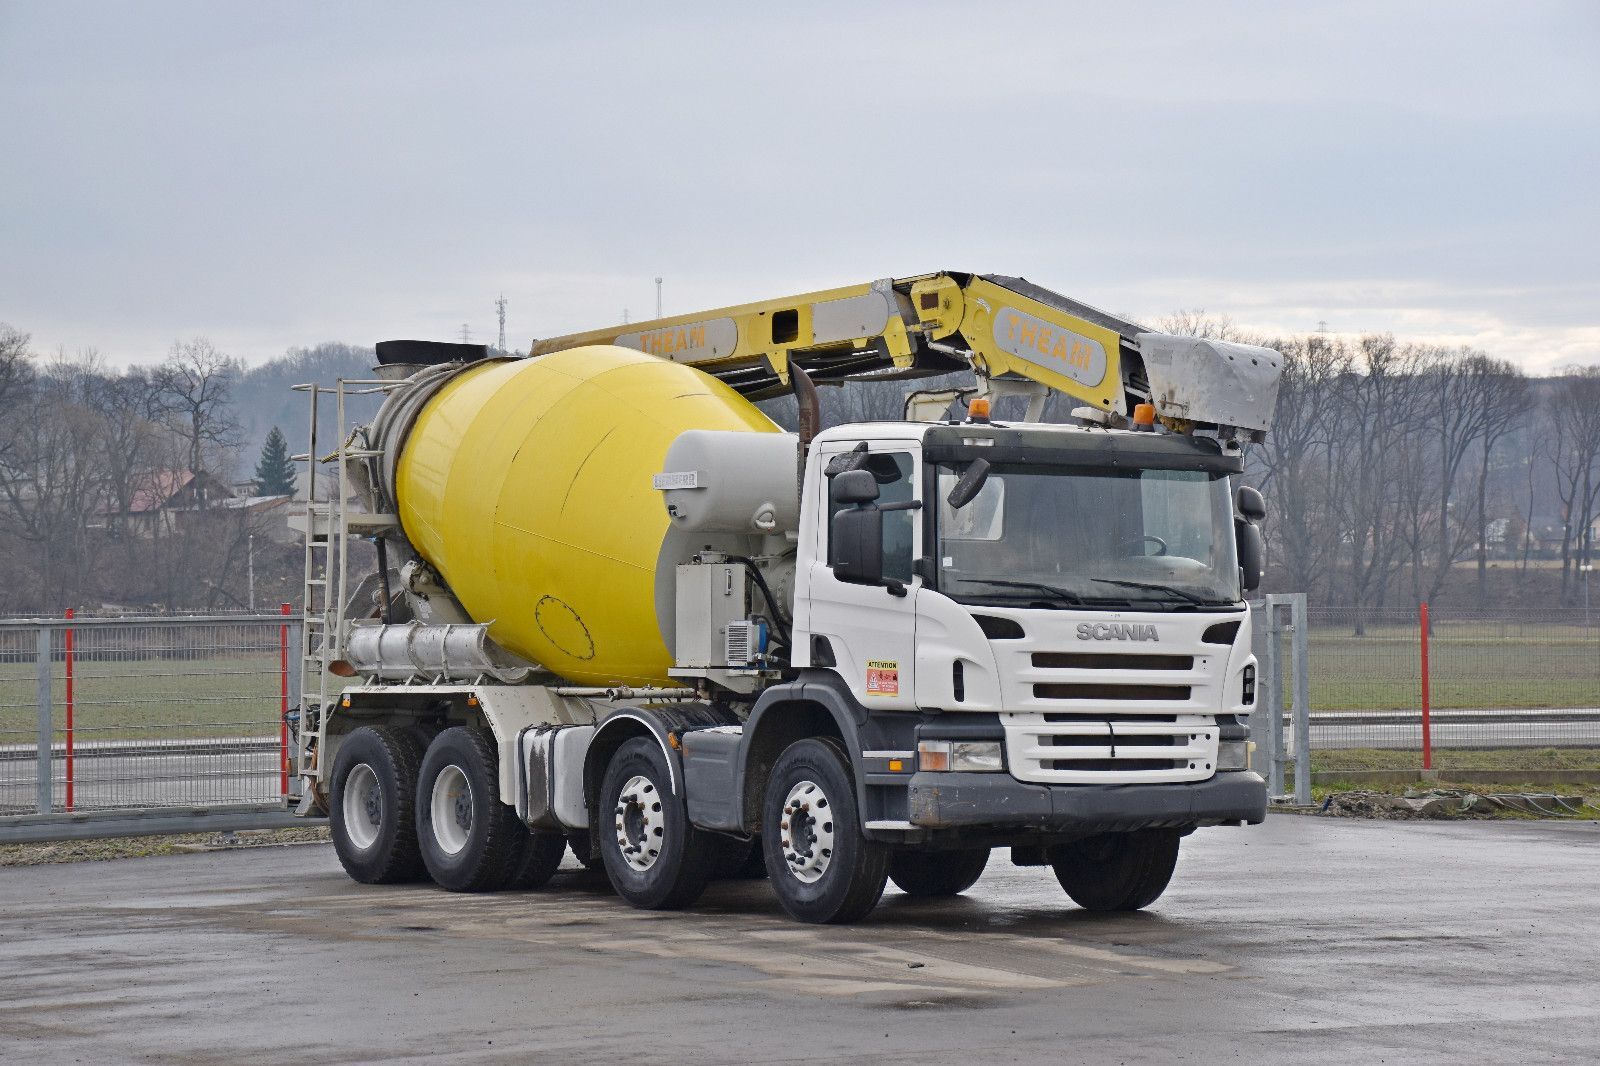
x=274, y=471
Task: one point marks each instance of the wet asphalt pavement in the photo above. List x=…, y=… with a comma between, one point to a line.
x=1304, y=940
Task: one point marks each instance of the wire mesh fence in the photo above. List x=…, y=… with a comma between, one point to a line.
x=142, y=713
x=1506, y=689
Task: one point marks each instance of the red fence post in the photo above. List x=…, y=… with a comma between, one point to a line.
x=283, y=702
x=68, y=656
x=1427, y=725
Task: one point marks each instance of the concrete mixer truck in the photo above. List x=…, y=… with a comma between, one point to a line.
x=617, y=608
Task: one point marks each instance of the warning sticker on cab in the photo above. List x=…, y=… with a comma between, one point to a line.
x=883, y=677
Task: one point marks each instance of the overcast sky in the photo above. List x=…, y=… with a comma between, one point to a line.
x=275, y=175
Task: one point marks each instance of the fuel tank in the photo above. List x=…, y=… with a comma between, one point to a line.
x=527, y=484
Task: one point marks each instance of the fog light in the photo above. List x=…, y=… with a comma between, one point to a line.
x=1233, y=755
x=933, y=755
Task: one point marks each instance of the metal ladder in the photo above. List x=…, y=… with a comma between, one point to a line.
x=328, y=526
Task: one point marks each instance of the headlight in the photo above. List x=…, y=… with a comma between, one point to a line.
x=963, y=756
x=1234, y=754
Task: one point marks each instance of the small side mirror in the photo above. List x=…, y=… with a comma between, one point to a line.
x=1247, y=539
x=854, y=487
x=972, y=480
x=1249, y=504
x=855, y=543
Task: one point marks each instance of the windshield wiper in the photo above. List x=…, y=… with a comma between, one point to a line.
x=1066, y=594
x=1153, y=587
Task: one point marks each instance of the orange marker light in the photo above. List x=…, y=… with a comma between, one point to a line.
x=978, y=410
x=896, y=765
x=1144, y=417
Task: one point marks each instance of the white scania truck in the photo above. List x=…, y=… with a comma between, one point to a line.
x=617, y=608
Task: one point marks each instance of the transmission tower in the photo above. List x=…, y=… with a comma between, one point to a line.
x=500, y=306
x=466, y=333
x=658, y=297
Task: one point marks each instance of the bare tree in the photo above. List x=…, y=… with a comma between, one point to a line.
x=50, y=486
x=1575, y=446
x=1498, y=393
x=1294, y=464
x=195, y=390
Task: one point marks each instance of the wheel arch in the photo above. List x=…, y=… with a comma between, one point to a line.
x=800, y=710
x=664, y=725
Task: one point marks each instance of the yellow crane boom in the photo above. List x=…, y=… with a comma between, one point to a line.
x=1002, y=328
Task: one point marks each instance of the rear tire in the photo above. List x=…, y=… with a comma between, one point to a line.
x=655, y=859
x=821, y=866
x=370, y=806
x=929, y=874
x=470, y=841
x=1118, y=871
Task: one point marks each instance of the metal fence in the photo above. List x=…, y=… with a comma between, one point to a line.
x=1513, y=691
x=110, y=724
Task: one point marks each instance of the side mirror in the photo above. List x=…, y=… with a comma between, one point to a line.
x=1249, y=504
x=1247, y=538
x=854, y=488
x=972, y=480
x=855, y=541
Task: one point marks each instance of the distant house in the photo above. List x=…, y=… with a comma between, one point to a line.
x=167, y=498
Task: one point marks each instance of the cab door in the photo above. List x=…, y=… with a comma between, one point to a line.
x=870, y=631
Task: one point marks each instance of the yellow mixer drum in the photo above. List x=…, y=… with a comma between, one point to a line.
x=527, y=484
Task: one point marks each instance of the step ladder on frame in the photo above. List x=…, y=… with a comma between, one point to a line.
x=328, y=526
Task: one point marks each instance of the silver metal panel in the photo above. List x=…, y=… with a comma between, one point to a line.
x=710, y=597
x=849, y=318
x=566, y=763
x=1219, y=382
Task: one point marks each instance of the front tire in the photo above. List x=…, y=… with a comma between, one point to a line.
x=823, y=869
x=930, y=874
x=1118, y=871
x=370, y=806
x=655, y=859
x=470, y=841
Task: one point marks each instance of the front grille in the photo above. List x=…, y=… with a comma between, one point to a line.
x=1109, y=691
x=1105, y=660
x=1110, y=748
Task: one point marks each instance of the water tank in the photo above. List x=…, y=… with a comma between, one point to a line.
x=527, y=484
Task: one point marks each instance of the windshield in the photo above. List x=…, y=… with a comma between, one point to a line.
x=1071, y=536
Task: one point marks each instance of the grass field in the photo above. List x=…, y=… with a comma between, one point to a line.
x=1446, y=759
x=1470, y=667
x=180, y=699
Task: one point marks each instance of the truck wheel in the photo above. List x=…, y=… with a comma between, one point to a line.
x=655, y=859
x=370, y=806
x=822, y=867
x=470, y=841
x=937, y=873
x=1117, y=871
x=541, y=858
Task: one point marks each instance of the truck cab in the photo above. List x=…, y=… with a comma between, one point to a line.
x=1071, y=597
